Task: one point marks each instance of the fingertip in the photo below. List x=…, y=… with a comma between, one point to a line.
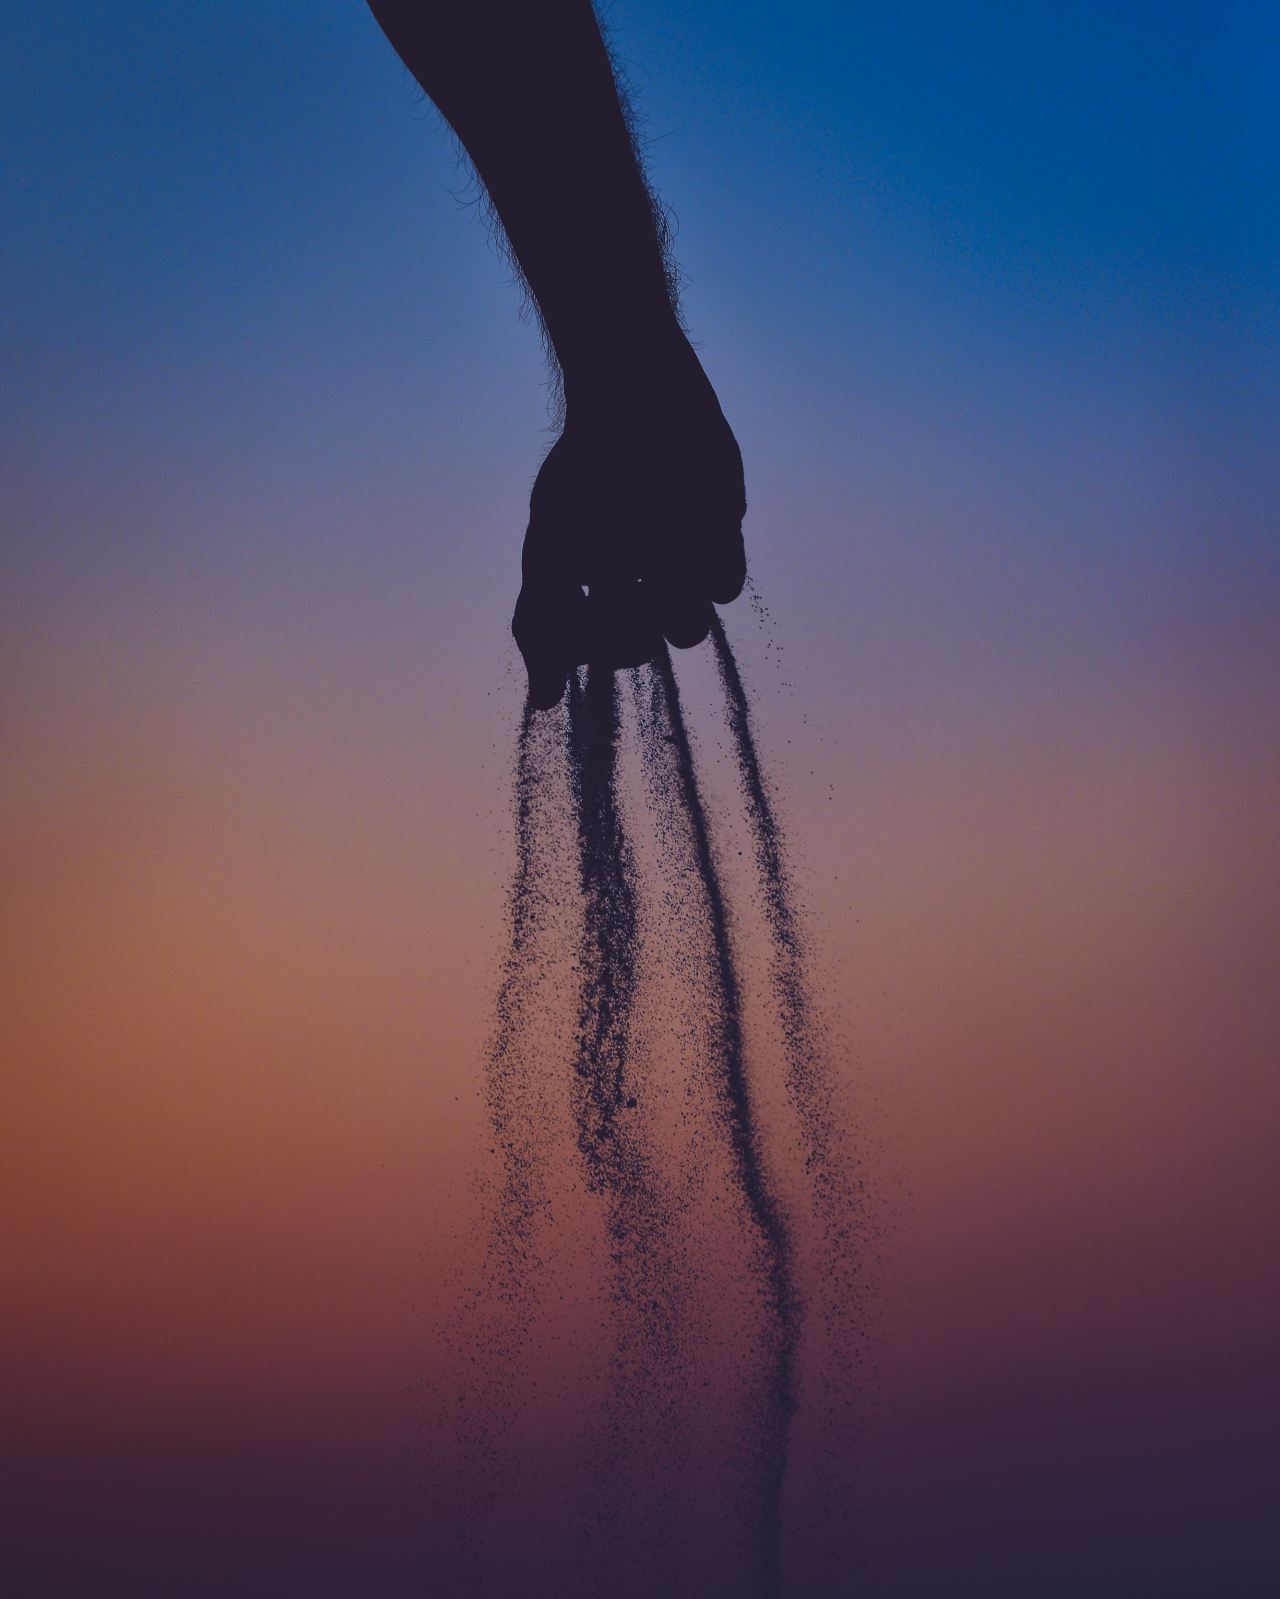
x=727, y=570
x=546, y=686
x=686, y=621
x=546, y=667
x=547, y=627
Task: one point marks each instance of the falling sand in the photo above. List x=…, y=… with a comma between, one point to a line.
x=621, y=1159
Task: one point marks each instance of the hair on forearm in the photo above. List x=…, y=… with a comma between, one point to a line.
x=475, y=195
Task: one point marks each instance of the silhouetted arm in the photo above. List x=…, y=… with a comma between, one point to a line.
x=529, y=91
x=641, y=497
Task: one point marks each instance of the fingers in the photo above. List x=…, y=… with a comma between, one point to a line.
x=710, y=569
x=683, y=615
x=616, y=625
x=548, y=627
x=549, y=624
x=618, y=621
x=724, y=566
x=627, y=622
x=622, y=628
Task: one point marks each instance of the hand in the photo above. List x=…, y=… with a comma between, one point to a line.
x=635, y=525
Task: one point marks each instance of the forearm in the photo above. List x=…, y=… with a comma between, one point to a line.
x=529, y=90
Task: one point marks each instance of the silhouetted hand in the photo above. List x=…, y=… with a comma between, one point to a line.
x=635, y=524
x=635, y=521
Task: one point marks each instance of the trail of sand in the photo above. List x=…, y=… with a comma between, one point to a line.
x=836, y=1182
x=646, y=1286
x=512, y=1112
x=669, y=757
x=621, y=1164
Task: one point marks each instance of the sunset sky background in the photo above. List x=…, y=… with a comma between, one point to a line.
x=990, y=295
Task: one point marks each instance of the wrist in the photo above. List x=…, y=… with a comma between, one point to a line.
x=639, y=357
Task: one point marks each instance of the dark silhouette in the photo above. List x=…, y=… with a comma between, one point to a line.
x=635, y=531
x=635, y=520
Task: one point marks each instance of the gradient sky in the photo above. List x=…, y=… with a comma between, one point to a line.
x=990, y=294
